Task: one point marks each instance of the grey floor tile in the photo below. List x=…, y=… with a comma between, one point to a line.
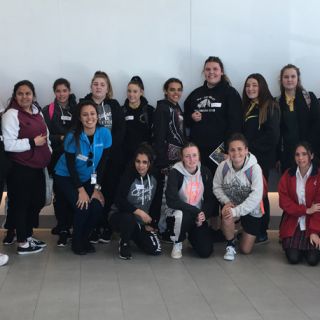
x=56, y=284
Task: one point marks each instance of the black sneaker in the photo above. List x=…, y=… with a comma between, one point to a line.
x=105, y=236
x=262, y=239
x=124, y=250
x=10, y=237
x=166, y=237
x=31, y=248
x=36, y=242
x=63, y=239
x=89, y=248
x=94, y=236
x=55, y=231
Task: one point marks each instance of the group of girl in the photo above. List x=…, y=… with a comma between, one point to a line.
x=94, y=141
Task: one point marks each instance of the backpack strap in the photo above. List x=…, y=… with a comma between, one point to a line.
x=307, y=98
x=225, y=170
x=248, y=174
x=51, y=110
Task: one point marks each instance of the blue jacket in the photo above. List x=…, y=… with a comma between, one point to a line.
x=102, y=140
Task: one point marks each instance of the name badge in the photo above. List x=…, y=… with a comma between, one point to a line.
x=129, y=118
x=66, y=118
x=82, y=157
x=139, y=186
x=93, y=178
x=216, y=104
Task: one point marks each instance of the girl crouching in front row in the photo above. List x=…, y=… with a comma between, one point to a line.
x=136, y=192
x=238, y=185
x=190, y=201
x=299, y=197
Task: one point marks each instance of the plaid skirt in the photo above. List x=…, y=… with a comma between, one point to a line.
x=298, y=241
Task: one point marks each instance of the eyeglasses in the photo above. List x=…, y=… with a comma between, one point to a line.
x=89, y=161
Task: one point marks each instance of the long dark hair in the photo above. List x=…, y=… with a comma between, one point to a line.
x=309, y=149
x=145, y=149
x=78, y=126
x=19, y=84
x=265, y=97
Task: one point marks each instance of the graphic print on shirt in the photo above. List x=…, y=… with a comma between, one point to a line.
x=105, y=116
x=143, y=193
x=236, y=191
x=193, y=190
x=208, y=104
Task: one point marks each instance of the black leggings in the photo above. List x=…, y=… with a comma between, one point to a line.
x=294, y=256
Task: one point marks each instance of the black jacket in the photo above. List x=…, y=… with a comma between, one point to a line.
x=167, y=131
x=302, y=124
x=139, y=125
x=175, y=181
x=263, y=140
x=222, y=114
x=118, y=125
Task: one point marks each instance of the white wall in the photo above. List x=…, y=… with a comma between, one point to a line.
x=42, y=40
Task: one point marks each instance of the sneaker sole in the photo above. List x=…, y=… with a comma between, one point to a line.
x=124, y=258
x=8, y=243
x=176, y=257
x=61, y=245
x=94, y=241
x=29, y=252
x=262, y=242
x=103, y=241
x=228, y=259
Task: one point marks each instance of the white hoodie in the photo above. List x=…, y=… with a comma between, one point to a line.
x=235, y=187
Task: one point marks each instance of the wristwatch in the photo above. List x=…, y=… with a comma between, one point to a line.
x=97, y=187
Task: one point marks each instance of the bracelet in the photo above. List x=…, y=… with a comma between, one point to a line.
x=97, y=187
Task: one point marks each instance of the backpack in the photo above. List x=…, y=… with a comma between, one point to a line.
x=51, y=110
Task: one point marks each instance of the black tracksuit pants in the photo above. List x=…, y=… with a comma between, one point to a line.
x=129, y=229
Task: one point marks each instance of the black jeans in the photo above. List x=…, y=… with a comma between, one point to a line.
x=84, y=220
x=26, y=192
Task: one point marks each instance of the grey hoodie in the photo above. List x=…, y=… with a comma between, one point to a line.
x=235, y=187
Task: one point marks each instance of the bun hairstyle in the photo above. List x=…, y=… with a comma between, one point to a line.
x=138, y=81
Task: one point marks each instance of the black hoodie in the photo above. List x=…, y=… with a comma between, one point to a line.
x=116, y=122
x=222, y=114
x=139, y=124
x=169, y=132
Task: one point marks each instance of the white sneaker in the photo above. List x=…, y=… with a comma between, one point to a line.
x=3, y=259
x=230, y=253
x=176, y=252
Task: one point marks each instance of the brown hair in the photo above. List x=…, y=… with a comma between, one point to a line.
x=290, y=66
x=265, y=97
x=224, y=77
x=103, y=75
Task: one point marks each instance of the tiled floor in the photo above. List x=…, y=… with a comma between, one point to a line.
x=56, y=284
